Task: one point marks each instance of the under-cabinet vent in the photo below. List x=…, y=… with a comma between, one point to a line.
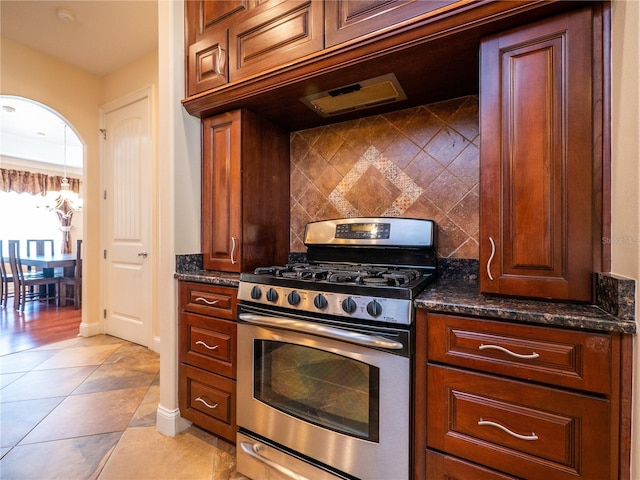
x=357, y=96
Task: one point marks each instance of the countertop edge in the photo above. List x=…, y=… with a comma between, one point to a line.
x=461, y=298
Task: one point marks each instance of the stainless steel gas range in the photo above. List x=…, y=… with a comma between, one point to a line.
x=324, y=353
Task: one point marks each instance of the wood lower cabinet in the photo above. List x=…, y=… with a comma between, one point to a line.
x=207, y=355
x=497, y=400
x=245, y=192
x=539, y=223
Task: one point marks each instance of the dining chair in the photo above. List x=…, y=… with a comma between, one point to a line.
x=23, y=281
x=39, y=246
x=75, y=281
x=6, y=279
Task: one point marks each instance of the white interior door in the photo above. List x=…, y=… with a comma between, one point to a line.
x=128, y=213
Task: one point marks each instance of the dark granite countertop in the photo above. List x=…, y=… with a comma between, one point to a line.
x=456, y=292
x=461, y=296
x=209, y=276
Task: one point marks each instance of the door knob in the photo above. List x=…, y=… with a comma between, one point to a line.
x=143, y=254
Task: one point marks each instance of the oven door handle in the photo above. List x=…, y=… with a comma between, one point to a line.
x=322, y=330
x=251, y=449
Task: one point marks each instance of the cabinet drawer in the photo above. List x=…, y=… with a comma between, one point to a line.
x=208, y=400
x=445, y=467
x=565, y=358
x=207, y=299
x=208, y=343
x=521, y=429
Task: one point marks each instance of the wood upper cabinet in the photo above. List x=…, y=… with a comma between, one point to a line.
x=207, y=42
x=349, y=19
x=537, y=192
x=233, y=39
x=273, y=37
x=245, y=192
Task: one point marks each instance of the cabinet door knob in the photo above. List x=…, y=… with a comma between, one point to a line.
x=531, y=437
x=493, y=252
x=509, y=352
x=201, y=400
x=200, y=342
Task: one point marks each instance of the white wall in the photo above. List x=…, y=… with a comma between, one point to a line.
x=625, y=141
x=179, y=203
x=76, y=95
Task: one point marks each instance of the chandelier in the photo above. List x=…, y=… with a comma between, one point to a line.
x=64, y=203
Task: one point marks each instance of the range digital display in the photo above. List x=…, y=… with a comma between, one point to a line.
x=373, y=231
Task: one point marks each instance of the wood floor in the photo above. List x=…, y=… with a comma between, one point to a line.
x=39, y=324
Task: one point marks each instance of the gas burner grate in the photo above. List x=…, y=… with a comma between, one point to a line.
x=344, y=273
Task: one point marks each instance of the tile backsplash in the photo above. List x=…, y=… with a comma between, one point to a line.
x=421, y=162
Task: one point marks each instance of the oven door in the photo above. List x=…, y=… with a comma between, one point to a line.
x=326, y=394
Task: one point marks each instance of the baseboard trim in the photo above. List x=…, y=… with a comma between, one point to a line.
x=90, y=329
x=169, y=422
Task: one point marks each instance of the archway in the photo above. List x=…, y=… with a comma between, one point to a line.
x=38, y=149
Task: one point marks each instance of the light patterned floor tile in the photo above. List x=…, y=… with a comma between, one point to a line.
x=88, y=414
x=79, y=356
x=188, y=456
x=76, y=458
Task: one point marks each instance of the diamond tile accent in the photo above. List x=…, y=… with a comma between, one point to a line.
x=420, y=162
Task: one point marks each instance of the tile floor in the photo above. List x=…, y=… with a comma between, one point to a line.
x=85, y=408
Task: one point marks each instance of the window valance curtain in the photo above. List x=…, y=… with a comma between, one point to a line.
x=34, y=183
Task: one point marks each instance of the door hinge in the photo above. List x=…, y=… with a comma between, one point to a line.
x=104, y=133
x=104, y=313
x=104, y=195
x=104, y=254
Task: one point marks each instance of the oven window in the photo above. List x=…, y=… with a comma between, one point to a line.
x=320, y=387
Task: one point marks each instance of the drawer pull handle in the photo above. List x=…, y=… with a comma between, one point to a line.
x=493, y=252
x=200, y=399
x=200, y=342
x=531, y=437
x=528, y=356
x=208, y=302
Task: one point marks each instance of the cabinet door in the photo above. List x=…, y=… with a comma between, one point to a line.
x=207, y=47
x=271, y=38
x=221, y=192
x=536, y=169
x=349, y=19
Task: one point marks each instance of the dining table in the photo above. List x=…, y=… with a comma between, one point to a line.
x=48, y=263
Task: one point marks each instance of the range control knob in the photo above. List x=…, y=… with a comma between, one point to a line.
x=293, y=298
x=272, y=295
x=374, y=308
x=256, y=293
x=349, y=305
x=320, y=301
